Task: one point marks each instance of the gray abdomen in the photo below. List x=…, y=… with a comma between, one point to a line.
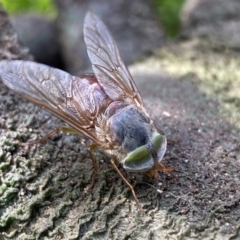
x=128, y=126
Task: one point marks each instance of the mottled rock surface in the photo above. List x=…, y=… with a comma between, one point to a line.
x=192, y=92
x=9, y=46
x=40, y=35
x=215, y=20
x=42, y=187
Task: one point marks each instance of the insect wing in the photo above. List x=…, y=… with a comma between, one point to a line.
x=107, y=64
x=54, y=90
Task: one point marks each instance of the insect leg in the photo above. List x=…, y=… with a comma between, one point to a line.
x=95, y=168
x=126, y=182
x=171, y=141
x=54, y=131
x=167, y=170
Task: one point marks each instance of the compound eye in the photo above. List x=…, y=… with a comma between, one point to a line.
x=160, y=145
x=157, y=141
x=139, y=160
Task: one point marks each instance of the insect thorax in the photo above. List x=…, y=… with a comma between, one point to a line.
x=124, y=128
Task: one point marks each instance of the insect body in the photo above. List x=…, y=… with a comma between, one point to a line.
x=104, y=106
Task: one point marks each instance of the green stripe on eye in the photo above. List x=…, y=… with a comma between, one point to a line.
x=157, y=141
x=141, y=160
x=137, y=156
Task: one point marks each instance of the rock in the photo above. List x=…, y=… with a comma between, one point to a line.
x=41, y=40
x=133, y=25
x=217, y=20
x=9, y=47
x=42, y=187
x=194, y=101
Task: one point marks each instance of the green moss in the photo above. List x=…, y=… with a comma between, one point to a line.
x=9, y=221
x=3, y=188
x=19, y=211
x=4, y=166
x=10, y=193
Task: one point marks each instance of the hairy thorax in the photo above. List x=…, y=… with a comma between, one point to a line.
x=126, y=127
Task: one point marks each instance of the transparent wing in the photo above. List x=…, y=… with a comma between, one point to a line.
x=58, y=92
x=107, y=64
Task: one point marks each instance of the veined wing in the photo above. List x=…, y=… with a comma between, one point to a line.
x=107, y=64
x=66, y=96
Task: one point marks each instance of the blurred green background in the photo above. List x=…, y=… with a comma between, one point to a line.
x=168, y=11
x=45, y=7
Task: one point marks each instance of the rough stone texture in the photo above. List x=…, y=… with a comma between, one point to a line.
x=217, y=20
x=40, y=35
x=133, y=25
x=192, y=101
x=9, y=47
x=192, y=92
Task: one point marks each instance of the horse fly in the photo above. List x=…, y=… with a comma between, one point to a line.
x=104, y=106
